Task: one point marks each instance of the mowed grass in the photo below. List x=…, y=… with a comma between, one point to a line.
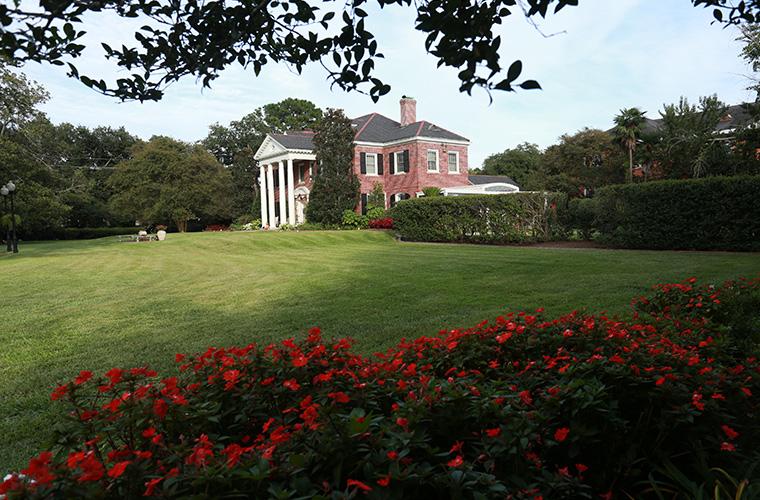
x=67, y=306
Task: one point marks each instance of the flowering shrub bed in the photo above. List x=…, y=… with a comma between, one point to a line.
x=581, y=406
x=384, y=223
x=217, y=227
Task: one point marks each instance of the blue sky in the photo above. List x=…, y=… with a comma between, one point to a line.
x=610, y=55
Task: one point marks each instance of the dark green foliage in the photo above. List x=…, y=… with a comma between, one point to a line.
x=717, y=213
x=512, y=218
x=376, y=197
x=578, y=215
x=336, y=187
x=521, y=163
x=169, y=181
x=235, y=144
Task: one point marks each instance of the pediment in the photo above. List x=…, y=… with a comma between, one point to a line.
x=269, y=148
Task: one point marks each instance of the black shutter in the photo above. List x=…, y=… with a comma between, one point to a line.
x=364, y=203
x=363, y=162
x=379, y=164
x=392, y=162
x=406, y=160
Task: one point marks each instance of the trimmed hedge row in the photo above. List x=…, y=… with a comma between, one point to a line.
x=509, y=218
x=717, y=213
x=88, y=233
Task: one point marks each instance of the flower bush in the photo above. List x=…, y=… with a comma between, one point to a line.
x=217, y=227
x=580, y=406
x=383, y=223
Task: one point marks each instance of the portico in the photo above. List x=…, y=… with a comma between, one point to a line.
x=283, y=193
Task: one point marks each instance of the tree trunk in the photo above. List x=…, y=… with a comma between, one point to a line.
x=181, y=225
x=630, y=164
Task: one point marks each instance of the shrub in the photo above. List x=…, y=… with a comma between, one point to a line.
x=578, y=216
x=88, y=233
x=384, y=223
x=375, y=213
x=581, y=406
x=510, y=218
x=431, y=191
x=217, y=227
x=355, y=221
x=717, y=213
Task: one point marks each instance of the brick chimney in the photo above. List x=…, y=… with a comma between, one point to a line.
x=408, y=110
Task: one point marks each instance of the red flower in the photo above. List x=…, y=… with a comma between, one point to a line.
x=456, y=447
x=315, y=335
x=730, y=433
x=746, y=392
x=581, y=468
x=39, y=468
x=291, y=384
x=561, y=434
x=151, y=485
x=456, y=461
x=526, y=398
x=392, y=455
x=339, y=397
x=403, y=422
x=300, y=361
x=83, y=377
x=59, y=392
x=358, y=484
x=160, y=407
x=492, y=433
x=118, y=469
x=231, y=377
x=384, y=481
x=727, y=446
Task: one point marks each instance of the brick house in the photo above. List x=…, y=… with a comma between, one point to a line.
x=403, y=156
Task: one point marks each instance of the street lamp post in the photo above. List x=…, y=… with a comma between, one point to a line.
x=9, y=190
x=8, y=245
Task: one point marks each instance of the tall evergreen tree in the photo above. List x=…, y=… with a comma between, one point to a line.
x=336, y=187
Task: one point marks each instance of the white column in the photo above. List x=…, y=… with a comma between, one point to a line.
x=270, y=195
x=263, y=196
x=291, y=195
x=281, y=178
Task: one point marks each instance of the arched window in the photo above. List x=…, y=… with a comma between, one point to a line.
x=395, y=198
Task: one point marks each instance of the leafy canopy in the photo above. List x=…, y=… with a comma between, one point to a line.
x=198, y=38
x=336, y=187
x=235, y=144
x=167, y=180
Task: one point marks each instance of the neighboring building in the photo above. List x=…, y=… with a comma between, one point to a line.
x=403, y=156
x=737, y=115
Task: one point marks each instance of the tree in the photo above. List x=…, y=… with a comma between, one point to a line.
x=688, y=146
x=336, y=187
x=750, y=37
x=520, y=163
x=376, y=197
x=586, y=160
x=234, y=145
x=19, y=98
x=627, y=131
x=174, y=39
x=167, y=180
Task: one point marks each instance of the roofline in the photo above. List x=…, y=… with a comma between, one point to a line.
x=465, y=142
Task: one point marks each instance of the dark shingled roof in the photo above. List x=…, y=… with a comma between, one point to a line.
x=488, y=179
x=295, y=140
x=372, y=128
x=378, y=128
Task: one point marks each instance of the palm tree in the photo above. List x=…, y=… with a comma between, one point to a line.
x=628, y=126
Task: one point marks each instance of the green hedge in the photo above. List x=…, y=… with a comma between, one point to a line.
x=717, y=213
x=509, y=218
x=88, y=233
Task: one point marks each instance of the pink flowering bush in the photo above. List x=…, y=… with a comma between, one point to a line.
x=580, y=406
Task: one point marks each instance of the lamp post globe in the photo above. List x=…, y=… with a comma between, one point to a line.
x=11, y=186
x=4, y=191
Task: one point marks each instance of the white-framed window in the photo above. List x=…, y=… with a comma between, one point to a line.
x=302, y=172
x=371, y=163
x=399, y=164
x=432, y=160
x=453, y=162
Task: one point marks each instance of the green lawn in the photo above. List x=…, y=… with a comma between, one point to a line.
x=77, y=305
